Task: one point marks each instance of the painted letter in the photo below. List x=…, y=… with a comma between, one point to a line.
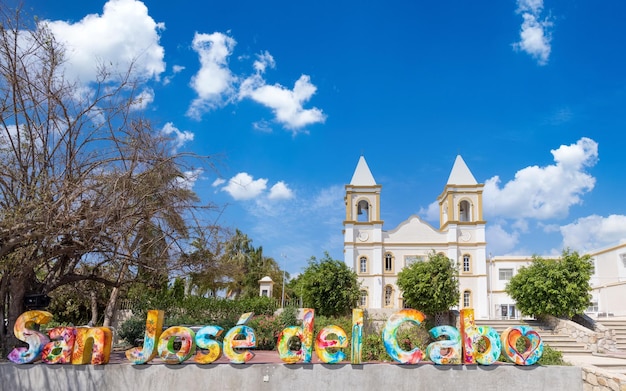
x=452, y=345
x=468, y=335
x=166, y=344
x=357, y=336
x=231, y=343
x=322, y=343
x=59, y=349
x=391, y=342
x=92, y=346
x=534, y=347
x=154, y=327
x=304, y=334
x=23, y=330
x=205, y=339
x=493, y=347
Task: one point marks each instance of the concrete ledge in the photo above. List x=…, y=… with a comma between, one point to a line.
x=281, y=377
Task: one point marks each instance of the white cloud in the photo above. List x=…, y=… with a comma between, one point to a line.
x=214, y=81
x=176, y=69
x=431, y=213
x=243, y=186
x=286, y=104
x=262, y=126
x=280, y=191
x=122, y=36
x=534, y=6
x=545, y=192
x=329, y=198
x=218, y=182
x=143, y=99
x=593, y=232
x=179, y=138
x=190, y=178
x=264, y=60
x=535, y=32
x=500, y=241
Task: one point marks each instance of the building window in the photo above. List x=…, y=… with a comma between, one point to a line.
x=363, y=299
x=467, y=299
x=464, y=211
x=466, y=263
x=388, y=262
x=363, y=211
x=507, y=311
x=388, y=296
x=593, y=306
x=505, y=274
x=623, y=256
x=264, y=293
x=363, y=265
x=411, y=259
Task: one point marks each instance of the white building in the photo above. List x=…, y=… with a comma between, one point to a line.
x=378, y=255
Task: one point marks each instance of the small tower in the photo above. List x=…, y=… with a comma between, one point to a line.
x=363, y=228
x=266, y=287
x=461, y=218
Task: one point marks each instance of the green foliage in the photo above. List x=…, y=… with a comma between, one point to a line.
x=195, y=310
x=266, y=329
x=431, y=286
x=551, y=357
x=328, y=286
x=133, y=329
x=374, y=348
x=553, y=287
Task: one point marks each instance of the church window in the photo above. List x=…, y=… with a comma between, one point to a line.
x=388, y=262
x=464, y=211
x=467, y=299
x=363, y=299
x=363, y=265
x=388, y=296
x=466, y=263
x=363, y=211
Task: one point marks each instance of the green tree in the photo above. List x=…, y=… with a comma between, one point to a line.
x=328, y=286
x=558, y=287
x=431, y=286
x=249, y=265
x=89, y=191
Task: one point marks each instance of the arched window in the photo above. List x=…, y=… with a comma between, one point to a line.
x=388, y=296
x=363, y=265
x=363, y=211
x=467, y=299
x=464, y=211
x=388, y=263
x=466, y=263
x=363, y=299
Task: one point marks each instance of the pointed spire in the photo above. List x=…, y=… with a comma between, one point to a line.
x=460, y=174
x=362, y=175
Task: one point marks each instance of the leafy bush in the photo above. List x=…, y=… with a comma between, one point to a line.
x=133, y=329
x=195, y=310
x=551, y=357
x=553, y=287
x=374, y=348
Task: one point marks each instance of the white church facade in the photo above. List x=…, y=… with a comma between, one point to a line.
x=377, y=255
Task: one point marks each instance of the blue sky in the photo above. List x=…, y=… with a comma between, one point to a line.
x=287, y=95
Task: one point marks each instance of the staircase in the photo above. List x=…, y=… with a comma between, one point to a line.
x=561, y=342
x=619, y=326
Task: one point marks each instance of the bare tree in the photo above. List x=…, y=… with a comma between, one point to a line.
x=88, y=189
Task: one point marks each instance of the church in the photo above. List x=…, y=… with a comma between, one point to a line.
x=377, y=255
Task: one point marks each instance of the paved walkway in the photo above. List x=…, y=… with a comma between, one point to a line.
x=613, y=361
